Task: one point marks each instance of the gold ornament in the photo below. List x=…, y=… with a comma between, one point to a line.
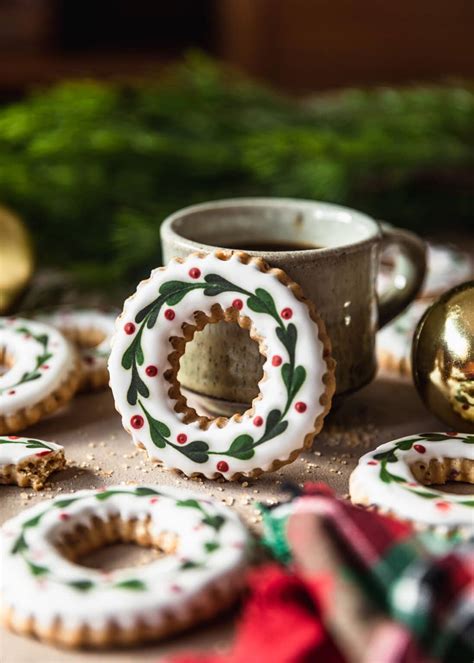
x=443, y=358
x=16, y=259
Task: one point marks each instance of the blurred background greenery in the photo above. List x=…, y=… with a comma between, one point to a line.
x=93, y=166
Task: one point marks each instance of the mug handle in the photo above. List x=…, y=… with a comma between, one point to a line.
x=407, y=275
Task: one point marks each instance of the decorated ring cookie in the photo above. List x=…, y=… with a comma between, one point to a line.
x=46, y=593
x=91, y=331
x=28, y=462
x=394, y=477
x=41, y=376
x=164, y=313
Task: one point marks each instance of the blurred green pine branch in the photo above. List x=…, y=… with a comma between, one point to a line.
x=94, y=167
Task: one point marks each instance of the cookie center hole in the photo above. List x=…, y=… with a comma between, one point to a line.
x=6, y=361
x=451, y=476
x=220, y=370
x=115, y=543
x=120, y=556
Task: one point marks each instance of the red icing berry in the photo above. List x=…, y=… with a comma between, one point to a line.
x=238, y=304
x=153, y=500
x=64, y=516
x=170, y=314
x=452, y=433
x=129, y=328
x=45, y=367
x=151, y=371
x=222, y=466
x=176, y=588
x=12, y=392
x=287, y=313
x=442, y=506
x=300, y=407
x=137, y=421
x=372, y=462
x=13, y=437
x=258, y=421
x=43, y=453
x=420, y=448
x=194, y=273
x=182, y=438
x=276, y=360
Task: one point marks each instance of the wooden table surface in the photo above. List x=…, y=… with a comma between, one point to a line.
x=101, y=454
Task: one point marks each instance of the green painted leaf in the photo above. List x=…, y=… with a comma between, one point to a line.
x=274, y=432
x=288, y=337
x=36, y=569
x=405, y=445
x=424, y=494
x=299, y=376
x=137, y=386
x=43, y=339
x=189, y=564
x=241, y=447
x=170, y=287
x=389, y=456
x=105, y=494
x=62, y=504
x=210, y=546
x=273, y=427
x=133, y=584
x=196, y=451
x=434, y=437
x=388, y=477
x=158, y=430
x=193, y=504
x=33, y=521
x=217, y=284
x=467, y=503
x=128, y=357
x=215, y=522
x=262, y=302
x=286, y=374
x=20, y=545
x=81, y=585
x=144, y=491
x=273, y=418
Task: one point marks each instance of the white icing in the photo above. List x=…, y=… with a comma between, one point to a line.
x=14, y=449
x=25, y=349
x=402, y=498
x=86, y=320
x=396, y=338
x=156, y=348
x=166, y=586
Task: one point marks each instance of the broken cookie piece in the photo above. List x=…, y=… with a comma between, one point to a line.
x=28, y=462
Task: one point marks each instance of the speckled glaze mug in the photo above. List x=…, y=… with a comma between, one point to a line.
x=222, y=365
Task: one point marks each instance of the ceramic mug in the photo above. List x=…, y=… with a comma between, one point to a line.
x=222, y=365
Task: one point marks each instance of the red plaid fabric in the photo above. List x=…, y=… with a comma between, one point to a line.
x=431, y=594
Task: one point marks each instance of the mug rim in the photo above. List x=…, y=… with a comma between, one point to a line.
x=167, y=227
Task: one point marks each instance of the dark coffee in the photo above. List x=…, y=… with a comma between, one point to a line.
x=264, y=245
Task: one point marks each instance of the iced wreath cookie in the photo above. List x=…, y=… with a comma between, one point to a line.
x=28, y=462
x=91, y=331
x=41, y=376
x=393, y=478
x=164, y=313
x=46, y=593
x=394, y=341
